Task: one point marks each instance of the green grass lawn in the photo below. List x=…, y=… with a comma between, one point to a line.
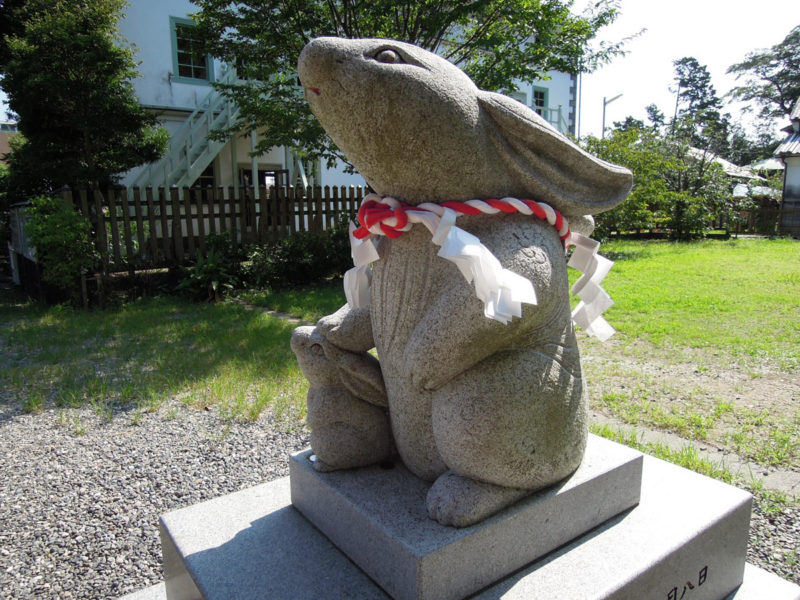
x=135, y=357
x=717, y=306
x=739, y=296
x=309, y=303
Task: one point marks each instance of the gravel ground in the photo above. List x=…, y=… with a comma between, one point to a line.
x=775, y=541
x=80, y=498
x=79, y=511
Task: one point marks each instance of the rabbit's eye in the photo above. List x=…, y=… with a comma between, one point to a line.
x=388, y=56
x=317, y=349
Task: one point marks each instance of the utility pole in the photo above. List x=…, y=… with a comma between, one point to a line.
x=606, y=103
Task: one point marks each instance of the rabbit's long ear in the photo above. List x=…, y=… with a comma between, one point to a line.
x=544, y=161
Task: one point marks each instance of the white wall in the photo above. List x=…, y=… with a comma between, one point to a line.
x=147, y=26
x=223, y=166
x=170, y=122
x=561, y=92
x=791, y=186
x=337, y=177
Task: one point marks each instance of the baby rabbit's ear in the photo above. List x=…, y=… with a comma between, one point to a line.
x=361, y=374
x=547, y=164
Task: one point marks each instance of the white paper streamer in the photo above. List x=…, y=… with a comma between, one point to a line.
x=594, y=300
x=363, y=251
x=356, y=285
x=501, y=291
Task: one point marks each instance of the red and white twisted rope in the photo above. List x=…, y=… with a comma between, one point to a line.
x=501, y=290
x=390, y=217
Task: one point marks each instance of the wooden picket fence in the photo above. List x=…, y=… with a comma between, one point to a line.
x=156, y=227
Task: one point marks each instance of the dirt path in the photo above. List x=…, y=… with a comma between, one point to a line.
x=734, y=405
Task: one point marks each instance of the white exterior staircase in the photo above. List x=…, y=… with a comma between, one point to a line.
x=190, y=149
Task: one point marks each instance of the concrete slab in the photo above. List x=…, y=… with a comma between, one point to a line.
x=759, y=584
x=254, y=545
x=154, y=592
x=687, y=536
x=377, y=517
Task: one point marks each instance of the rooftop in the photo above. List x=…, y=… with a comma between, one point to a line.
x=790, y=146
x=731, y=170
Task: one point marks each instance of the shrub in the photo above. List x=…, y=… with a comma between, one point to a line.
x=215, y=272
x=62, y=241
x=688, y=217
x=299, y=259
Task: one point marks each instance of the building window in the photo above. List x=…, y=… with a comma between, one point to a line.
x=206, y=178
x=190, y=63
x=267, y=178
x=540, y=102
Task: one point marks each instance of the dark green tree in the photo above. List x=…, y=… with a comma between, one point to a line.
x=701, y=189
x=675, y=187
x=494, y=41
x=747, y=147
x=771, y=78
x=696, y=94
x=698, y=120
x=69, y=79
x=639, y=149
x=629, y=123
x=12, y=24
x=656, y=117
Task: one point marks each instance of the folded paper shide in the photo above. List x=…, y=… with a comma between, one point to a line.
x=502, y=291
x=485, y=400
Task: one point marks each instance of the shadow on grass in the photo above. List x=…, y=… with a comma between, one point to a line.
x=308, y=303
x=135, y=356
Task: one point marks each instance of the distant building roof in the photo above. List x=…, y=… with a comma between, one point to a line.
x=767, y=164
x=731, y=170
x=743, y=190
x=790, y=146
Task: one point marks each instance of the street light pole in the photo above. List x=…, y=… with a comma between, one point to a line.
x=606, y=103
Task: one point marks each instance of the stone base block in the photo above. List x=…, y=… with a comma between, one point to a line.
x=686, y=530
x=378, y=518
x=758, y=584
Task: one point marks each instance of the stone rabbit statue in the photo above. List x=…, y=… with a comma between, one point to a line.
x=346, y=403
x=487, y=411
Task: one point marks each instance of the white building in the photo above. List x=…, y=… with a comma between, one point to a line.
x=175, y=83
x=789, y=152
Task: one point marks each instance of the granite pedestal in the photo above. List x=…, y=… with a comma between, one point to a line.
x=687, y=537
x=378, y=518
